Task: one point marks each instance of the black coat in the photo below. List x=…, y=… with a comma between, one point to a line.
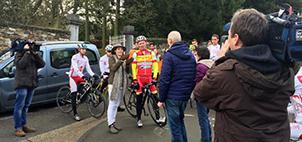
x=27, y=64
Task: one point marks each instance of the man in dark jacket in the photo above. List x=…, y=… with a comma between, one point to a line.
x=176, y=84
x=248, y=88
x=27, y=63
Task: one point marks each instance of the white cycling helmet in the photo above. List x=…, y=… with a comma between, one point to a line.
x=82, y=46
x=141, y=38
x=109, y=47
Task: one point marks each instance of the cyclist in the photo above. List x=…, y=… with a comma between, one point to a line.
x=78, y=63
x=143, y=62
x=104, y=66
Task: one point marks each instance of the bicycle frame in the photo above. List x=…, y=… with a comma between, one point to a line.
x=146, y=93
x=86, y=87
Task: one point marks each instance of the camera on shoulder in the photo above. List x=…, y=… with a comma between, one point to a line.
x=285, y=35
x=18, y=46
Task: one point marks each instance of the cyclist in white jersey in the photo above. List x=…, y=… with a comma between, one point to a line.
x=104, y=66
x=78, y=63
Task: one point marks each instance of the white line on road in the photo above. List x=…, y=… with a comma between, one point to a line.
x=6, y=118
x=69, y=133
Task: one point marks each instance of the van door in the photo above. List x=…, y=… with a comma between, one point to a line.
x=7, y=86
x=41, y=92
x=60, y=61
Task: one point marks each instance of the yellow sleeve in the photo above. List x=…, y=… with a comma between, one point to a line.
x=134, y=70
x=134, y=67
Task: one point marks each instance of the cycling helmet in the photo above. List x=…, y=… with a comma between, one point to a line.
x=109, y=47
x=82, y=46
x=141, y=38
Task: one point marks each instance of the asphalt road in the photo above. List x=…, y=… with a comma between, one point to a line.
x=149, y=133
x=55, y=126
x=43, y=118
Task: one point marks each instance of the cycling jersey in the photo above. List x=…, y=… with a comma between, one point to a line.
x=104, y=64
x=131, y=52
x=143, y=63
x=78, y=64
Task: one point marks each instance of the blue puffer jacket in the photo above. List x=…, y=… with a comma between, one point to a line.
x=178, y=73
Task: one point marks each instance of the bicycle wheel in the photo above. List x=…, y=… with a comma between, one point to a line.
x=157, y=114
x=130, y=103
x=64, y=99
x=96, y=104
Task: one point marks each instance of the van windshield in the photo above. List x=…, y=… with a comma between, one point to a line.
x=5, y=55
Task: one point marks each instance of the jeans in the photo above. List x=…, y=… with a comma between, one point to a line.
x=175, y=111
x=204, y=122
x=23, y=101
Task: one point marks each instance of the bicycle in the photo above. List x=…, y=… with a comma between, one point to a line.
x=95, y=102
x=157, y=114
x=104, y=92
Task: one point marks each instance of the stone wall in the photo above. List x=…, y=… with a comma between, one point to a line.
x=9, y=32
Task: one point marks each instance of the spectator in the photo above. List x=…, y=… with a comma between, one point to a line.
x=194, y=44
x=214, y=48
x=175, y=84
x=203, y=64
x=117, y=78
x=152, y=47
x=248, y=88
x=27, y=63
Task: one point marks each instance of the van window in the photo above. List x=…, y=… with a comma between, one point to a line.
x=91, y=57
x=61, y=58
x=5, y=55
x=7, y=70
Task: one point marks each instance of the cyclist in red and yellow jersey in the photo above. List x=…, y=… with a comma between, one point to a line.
x=144, y=61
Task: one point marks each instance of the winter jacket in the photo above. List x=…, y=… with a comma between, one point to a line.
x=114, y=66
x=249, y=90
x=27, y=64
x=178, y=73
x=202, y=68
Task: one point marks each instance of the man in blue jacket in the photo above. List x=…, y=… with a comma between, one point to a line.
x=176, y=84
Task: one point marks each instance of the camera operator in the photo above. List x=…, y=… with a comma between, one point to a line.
x=27, y=63
x=248, y=88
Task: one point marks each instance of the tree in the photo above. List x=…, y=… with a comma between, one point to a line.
x=141, y=14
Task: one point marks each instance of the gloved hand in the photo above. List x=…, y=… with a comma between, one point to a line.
x=106, y=73
x=135, y=84
x=85, y=77
x=96, y=77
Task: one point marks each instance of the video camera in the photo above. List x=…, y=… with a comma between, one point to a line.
x=18, y=45
x=285, y=35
